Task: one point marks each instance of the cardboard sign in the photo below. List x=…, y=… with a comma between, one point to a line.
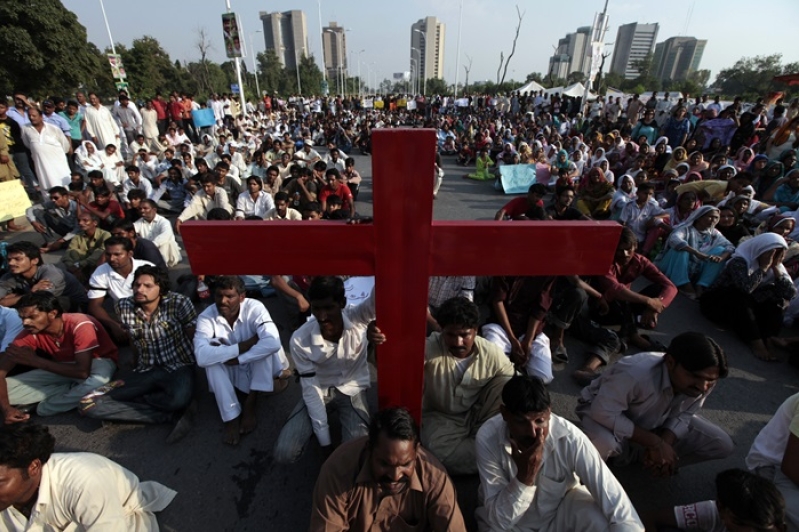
x=13, y=200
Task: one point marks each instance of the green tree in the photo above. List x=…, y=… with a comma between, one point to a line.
x=753, y=77
x=437, y=86
x=310, y=76
x=534, y=76
x=44, y=49
x=271, y=71
x=149, y=67
x=575, y=77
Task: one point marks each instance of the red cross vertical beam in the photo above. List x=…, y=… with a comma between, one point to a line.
x=402, y=249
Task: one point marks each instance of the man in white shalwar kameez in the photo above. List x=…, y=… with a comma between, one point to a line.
x=48, y=146
x=157, y=229
x=540, y=473
x=71, y=492
x=100, y=124
x=239, y=346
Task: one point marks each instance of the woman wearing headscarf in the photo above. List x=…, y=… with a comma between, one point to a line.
x=595, y=195
x=771, y=178
x=786, y=196
x=604, y=165
x=253, y=201
x=743, y=159
x=697, y=162
x=730, y=225
x=662, y=154
x=751, y=292
x=788, y=159
x=625, y=193
x=646, y=127
x=597, y=156
x=783, y=225
x=88, y=158
x=695, y=252
x=757, y=166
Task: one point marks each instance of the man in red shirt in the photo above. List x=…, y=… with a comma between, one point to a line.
x=175, y=111
x=109, y=211
x=517, y=208
x=161, y=113
x=336, y=185
x=56, y=360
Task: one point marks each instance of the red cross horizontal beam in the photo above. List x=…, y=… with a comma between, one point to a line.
x=402, y=249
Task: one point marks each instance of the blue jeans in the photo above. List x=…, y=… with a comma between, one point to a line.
x=353, y=413
x=151, y=396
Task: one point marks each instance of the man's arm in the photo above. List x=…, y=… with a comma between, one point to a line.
x=97, y=310
x=280, y=284
x=80, y=369
x=268, y=337
x=210, y=351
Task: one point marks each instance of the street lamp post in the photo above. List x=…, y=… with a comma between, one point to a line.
x=424, y=73
x=254, y=67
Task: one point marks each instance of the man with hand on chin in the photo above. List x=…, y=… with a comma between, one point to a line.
x=538, y=472
x=385, y=481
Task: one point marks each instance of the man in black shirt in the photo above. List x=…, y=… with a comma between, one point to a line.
x=561, y=207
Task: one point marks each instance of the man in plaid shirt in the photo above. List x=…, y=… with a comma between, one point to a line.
x=161, y=327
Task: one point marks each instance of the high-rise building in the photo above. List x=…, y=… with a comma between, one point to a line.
x=573, y=54
x=633, y=42
x=287, y=34
x=427, y=48
x=677, y=57
x=334, y=46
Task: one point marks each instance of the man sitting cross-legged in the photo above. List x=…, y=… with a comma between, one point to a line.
x=161, y=326
x=238, y=344
x=57, y=359
x=329, y=354
x=538, y=472
x=463, y=379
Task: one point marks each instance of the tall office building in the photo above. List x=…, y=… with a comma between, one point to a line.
x=677, y=57
x=573, y=54
x=334, y=46
x=287, y=34
x=633, y=42
x=427, y=36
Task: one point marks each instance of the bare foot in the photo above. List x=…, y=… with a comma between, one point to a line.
x=249, y=414
x=761, y=351
x=232, y=431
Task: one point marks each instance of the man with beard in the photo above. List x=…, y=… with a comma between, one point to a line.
x=385, y=481
x=329, y=355
x=238, y=344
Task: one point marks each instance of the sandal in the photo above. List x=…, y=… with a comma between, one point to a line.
x=560, y=354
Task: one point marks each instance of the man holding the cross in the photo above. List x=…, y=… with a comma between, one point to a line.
x=329, y=353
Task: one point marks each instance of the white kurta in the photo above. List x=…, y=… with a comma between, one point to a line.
x=90, y=493
x=149, y=118
x=48, y=149
x=100, y=124
x=111, y=172
x=160, y=233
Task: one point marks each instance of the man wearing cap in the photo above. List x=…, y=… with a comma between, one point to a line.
x=307, y=156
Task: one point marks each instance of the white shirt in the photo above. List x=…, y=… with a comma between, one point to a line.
x=636, y=217
x=328, y=365
x=159, y=231
x=768, y=449
x=105, y=281
x=90, y=491
x=10, y=326
x=216, y=341
x=246, y=206
x=129, y=185
x=569, y=458
x=291, y=214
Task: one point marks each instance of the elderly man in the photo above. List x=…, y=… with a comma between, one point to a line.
x=71, y=491
x=538, y=472
x=650, y=402
x=100, y=123
x=55, y=361
x=238, y=344
x=48, y=146
x=385, y=481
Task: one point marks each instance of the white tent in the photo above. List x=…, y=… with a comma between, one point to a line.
x=578, y=89
x=530, y=87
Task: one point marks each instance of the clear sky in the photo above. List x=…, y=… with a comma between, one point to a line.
x=733, y=28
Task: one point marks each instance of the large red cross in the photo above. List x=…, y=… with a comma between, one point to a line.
x=402, y=249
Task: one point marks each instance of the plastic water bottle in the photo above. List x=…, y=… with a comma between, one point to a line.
x=202, y=290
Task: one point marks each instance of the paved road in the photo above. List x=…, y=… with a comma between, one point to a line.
x=240, y=489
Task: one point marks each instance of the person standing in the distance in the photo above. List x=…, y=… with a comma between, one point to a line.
x=48, y=146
